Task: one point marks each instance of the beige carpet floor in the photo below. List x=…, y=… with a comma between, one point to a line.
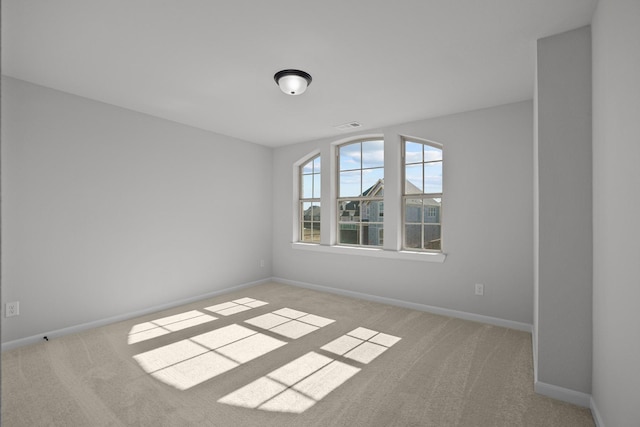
x=304, y=358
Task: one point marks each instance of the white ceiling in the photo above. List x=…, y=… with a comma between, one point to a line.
x=210, y=63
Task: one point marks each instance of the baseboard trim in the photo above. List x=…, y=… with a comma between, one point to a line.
x=415, y=306
x=561, y=393
x=596, y=414
x=9, y=345
x=534, y=349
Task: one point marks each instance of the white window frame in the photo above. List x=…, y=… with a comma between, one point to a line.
x=313, y=200
x=423, y=196
x=394, y=167
x=363, y=201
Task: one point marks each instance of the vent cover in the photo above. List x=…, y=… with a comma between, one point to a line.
x=348, y=126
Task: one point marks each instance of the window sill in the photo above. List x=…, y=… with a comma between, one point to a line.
x=438, y=257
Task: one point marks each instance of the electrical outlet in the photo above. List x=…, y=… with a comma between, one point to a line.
x=479, y=289
x=12, y=309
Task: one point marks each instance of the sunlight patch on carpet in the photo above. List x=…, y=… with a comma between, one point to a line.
x=159, y=327
x=300, y=384
x=235, y=306
x=290, y=323
x=362, y=345
x=295, y=387
x=189, y=362
x=166, y=325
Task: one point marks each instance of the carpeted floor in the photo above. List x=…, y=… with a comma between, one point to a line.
x=304, y=358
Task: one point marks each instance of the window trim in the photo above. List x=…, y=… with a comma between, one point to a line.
x=372, y=251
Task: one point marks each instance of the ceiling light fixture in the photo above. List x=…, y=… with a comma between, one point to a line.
x=292, y=82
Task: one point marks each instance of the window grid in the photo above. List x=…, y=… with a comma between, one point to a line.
x=360, y=193
x=309, y=201
x=422, y=201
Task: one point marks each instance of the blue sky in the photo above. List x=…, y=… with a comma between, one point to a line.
x=362, y=165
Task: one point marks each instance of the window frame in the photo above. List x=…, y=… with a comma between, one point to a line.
x=423, y=195
x=315, y=201
x=360, y=199
x=393, y=166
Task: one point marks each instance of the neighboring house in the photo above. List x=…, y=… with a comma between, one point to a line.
x=371, y=215
x=368, y=212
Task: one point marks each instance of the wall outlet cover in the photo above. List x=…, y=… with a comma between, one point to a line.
x=12, y=309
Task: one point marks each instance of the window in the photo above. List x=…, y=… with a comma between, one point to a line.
x=422, y=196
x=360, y=193
x=310, y=201
x=353, y=218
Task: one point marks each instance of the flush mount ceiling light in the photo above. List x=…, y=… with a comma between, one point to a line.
x=292, y=82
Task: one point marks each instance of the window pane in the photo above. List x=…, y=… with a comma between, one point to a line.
x=306, y=209
x=350, y=184
x=432, y=237
x=372, y=211
x=307, y=181
x=413, y=236
x=413, y=152
x=349, y=234
x=315, y=234
x=370, y=179
x=371, y=234
x=432, y=153
x=433, y=177
x=350, y=157
x=413, y=210
x=431, y=211
x=315, y=223
x=349, y=211
x=311, y=233
x=310, y=230
x=308, y=167
x=316, y=186
x=316, y=164
x=413, y=179
x=315, y=212
x=373, y=154
x=305, y=229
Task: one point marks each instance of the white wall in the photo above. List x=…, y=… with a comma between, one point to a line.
x=616, y=212
x=106, y=211
x=488, y=206
x=564, y=240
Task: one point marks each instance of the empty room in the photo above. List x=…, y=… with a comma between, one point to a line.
x=337, y=213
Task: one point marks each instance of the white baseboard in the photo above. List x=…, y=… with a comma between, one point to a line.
x=415, y=306
x=534, y=349
x=102, y=322
x=596, y=415
x=561, y=393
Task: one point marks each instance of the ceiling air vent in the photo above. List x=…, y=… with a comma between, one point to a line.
x=348, y=126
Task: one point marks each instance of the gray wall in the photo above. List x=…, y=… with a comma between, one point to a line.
x=488, y=169
x=616, y=212
x=106, y=211
x=564, y=239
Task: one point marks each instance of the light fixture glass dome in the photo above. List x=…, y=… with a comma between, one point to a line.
x=292, y=82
